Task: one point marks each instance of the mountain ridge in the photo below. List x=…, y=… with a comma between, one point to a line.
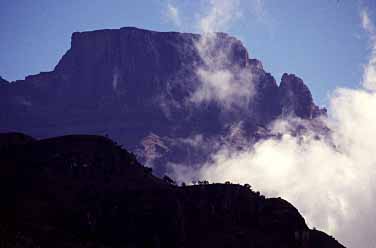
x=87, y=191
x=132, y=83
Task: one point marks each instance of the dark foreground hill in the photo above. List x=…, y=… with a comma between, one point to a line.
x=86, y=191
x=137, y=86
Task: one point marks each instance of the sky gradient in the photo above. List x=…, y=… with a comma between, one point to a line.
x=321, y=41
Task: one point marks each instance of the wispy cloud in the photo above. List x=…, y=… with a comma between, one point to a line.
x=367, y=25
x=173, y=14
x=369, y=75
x=259, y=8
x=224, y=87
x=219, y=15
x=222, y=80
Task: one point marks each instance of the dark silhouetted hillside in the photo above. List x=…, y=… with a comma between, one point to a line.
x=86, y=191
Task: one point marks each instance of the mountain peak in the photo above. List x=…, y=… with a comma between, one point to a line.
x=3, y=81
x=296, y=98
x=130, y=83
x=256, y=63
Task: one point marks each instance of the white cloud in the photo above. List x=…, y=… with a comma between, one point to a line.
x=331, y=179
x=220, y=14
x=173, y=14
x=366, y=22
x=369, y=75
x=223, y=87
x=221, y=80
x=330, y=182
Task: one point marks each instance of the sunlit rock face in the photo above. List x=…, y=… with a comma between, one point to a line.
x=131, y=83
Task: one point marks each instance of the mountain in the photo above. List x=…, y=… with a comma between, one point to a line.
x=296, y=98
x=140, y=88
x=86, y=191
x=3, y=81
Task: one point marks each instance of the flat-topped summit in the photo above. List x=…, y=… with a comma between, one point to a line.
x=133, y=84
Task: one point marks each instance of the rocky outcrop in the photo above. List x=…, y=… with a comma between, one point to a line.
x=86, y=191
x=131, y=83
x=296, y=99
x=3, y=81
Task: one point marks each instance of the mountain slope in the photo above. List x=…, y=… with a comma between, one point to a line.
x=151, y=91
x=86, y=191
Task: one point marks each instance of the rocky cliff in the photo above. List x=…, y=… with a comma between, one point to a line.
x=86, y=191
x=137, y=87
x=295, y=98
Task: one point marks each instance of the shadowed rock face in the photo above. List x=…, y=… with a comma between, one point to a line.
x=132, y=84
x=296, y=99
x=3, y=81
x=86, y=191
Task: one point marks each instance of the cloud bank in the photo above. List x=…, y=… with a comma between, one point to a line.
x=331, y=183
x=328, y=178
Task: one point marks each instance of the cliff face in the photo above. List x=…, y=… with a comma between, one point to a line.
x=295, y=98
x=86, y=191
x=132, y=84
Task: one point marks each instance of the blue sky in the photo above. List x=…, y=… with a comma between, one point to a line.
x=321, y=41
